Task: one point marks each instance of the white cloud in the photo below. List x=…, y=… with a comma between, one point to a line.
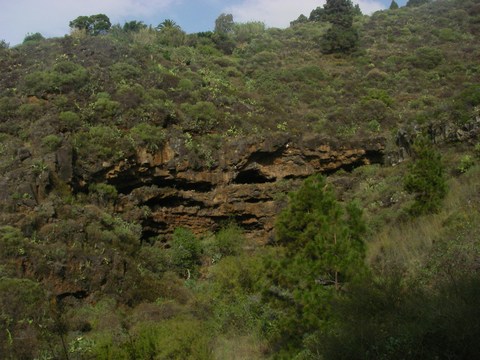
x=279, y=13
x=51, y=17
x=370, y=6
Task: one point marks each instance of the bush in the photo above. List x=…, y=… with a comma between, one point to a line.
x=33, y=38
x=69, y=120
x=426, y=179
x=100, y=143
x=185, y=251
x=123, y=71
x=64, y=77
x=23, y=313
x=229, y=241
x=466, y=162
x=149, y=136
x=12, y=242
x=130, y=96
x=202, y=116
x=178, y=338
x=339, y=39
x=51, y=142
x=104, y=192
x=104, y=108
x=427, y=58
x=29, y=111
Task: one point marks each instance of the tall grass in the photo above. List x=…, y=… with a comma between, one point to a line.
x=405, y=245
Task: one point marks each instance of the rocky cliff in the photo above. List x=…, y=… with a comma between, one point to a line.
x=247, y=182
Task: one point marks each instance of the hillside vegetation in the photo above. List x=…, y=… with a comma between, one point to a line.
x=378, y=261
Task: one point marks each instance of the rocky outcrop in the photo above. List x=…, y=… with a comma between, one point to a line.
x=247, y=183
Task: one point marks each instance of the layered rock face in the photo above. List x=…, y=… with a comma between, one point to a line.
x=247, y=183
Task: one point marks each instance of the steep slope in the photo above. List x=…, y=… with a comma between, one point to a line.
x=111, y=143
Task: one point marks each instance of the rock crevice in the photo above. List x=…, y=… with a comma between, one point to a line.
x=248, y=185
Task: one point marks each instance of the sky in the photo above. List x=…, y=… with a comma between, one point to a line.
x=51, y=17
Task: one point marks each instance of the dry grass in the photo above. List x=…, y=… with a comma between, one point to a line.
x=237, y=347
x=405, y=245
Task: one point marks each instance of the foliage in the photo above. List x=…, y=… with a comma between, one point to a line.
x=133, y=26
x=51, y=142
x=323, y=250
x=100, y=246
x=23, y=308
x=426, y=179
x=64, y=77
x=229, y=241
x=393, y=5
x=33, y=38
x=13, y=243
x=168, y=23
x=185, y=252
x=101, y=142
x=342, y=37
x=466, y=162
x=202, y=116
x=224, y=24
x=413, y=3
x=92, y=25
x=339, y=40
x=386, y=320
x=147, y=135
x=69, y=120
x=105, y=192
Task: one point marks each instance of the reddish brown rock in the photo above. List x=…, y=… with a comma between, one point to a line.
x=248, y=185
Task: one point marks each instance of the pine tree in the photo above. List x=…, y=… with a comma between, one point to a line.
x=412, y=3
x=393, y=5
x=342, y=37
x=426, y=179
x=323, y=249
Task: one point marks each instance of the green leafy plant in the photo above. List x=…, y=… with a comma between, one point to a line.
x=185, y=251
x=426, y=179
x=466, y=162
x=323, y=249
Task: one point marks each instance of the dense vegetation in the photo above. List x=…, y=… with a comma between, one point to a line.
x=396, y=280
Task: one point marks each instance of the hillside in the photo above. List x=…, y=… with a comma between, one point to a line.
x=145, y=180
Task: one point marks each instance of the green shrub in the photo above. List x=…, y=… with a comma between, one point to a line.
x=9, y=106
x=104, y=108
x=339, y=39
x=51, y=142
x=69, y=76
x=466, y=162
x=23, y=318
x=178, y=338
x=12, y=242
x=104, y=192
x=426, y=179
x=185, y=85
x=427, y=58
x=29, y=111
x=202, y=116
x=149, y=136
x=36, y=37
x=185, y=251
x=64, y=77
x=229, y=241
x=100, y=143
x=123, y=71
x=69, y=120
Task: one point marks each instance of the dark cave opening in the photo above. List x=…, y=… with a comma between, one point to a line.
x=252, y=176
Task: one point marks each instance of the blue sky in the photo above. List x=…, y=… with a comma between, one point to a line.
x=51, y=17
